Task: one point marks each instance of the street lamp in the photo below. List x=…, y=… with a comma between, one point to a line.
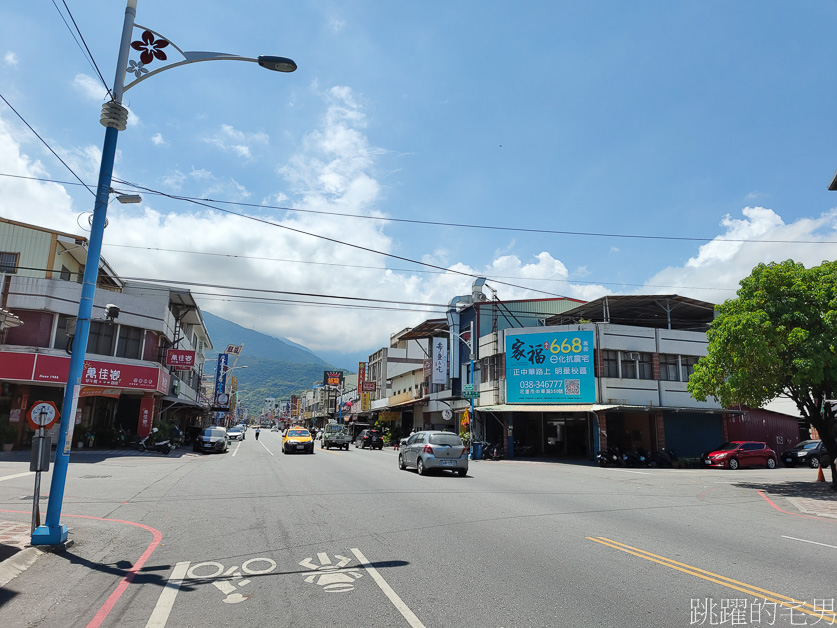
x=471, y=348
x=114, y=118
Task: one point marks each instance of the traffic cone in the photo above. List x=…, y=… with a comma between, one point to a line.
x=820, y=476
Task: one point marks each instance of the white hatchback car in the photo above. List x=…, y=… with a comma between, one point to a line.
x=235, y=433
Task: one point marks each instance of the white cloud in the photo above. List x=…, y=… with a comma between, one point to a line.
x=336, y=25
x=158, y=140
x=229, y=139
x=335, y=170
x=715, y=272
x=10, y=59
x=92, y=89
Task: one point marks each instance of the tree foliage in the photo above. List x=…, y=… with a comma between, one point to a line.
x=778, y=337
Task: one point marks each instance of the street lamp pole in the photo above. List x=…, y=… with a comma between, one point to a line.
x=471, y=348
x=114, y=118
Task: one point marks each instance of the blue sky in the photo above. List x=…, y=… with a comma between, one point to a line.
x=706, y=120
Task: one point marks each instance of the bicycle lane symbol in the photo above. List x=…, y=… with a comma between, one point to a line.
x=228, y=582
x=332, y=577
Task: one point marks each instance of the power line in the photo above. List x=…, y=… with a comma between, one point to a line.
x=385, y=268
x=359, y=247
x=433, y=223
x=44, y=142
x=288, y=292
x=465, y=225
x=88, y=55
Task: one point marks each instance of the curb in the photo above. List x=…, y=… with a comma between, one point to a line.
x=15, y=565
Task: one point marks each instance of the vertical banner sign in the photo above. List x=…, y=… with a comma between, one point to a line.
x=361, y=372
x=440, y=361
x=221, y=376
x=364, y=402
x=146, y=415
x=553, y=367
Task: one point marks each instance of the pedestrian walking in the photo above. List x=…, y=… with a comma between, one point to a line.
x=258, y=429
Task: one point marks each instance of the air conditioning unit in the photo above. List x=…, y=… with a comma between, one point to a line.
x=631, y=355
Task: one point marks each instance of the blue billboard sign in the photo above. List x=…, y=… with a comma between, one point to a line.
x=550, y=367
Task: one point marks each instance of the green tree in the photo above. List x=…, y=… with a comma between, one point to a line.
x=778, y=337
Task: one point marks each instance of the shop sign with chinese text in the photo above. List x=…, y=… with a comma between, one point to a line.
x=180, y=358
x=551, y=367
x=440, y=361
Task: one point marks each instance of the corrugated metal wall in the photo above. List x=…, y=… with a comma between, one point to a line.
x=779, y=431
x=691, y=434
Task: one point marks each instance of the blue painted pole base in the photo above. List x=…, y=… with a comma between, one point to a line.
x=50, y=535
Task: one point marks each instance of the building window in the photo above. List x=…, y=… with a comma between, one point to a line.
x=65, y=328
x=610, y=363
x=669, y=367
x=629, y=361
x=687, y=366
x=129, y=344
x=8, y=262
x=646, y=366
x=100, y=340
x=65, y=274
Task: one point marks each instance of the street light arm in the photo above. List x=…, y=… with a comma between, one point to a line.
x=154, y=49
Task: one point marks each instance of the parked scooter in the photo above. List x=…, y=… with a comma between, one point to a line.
x=612, y=457
x=148, y=443
x=665, y=458
x=638, y=458
x=121, y=437
x=494, y=452
x=176, y=436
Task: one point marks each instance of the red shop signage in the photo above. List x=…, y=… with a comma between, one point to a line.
x=56, y=368
x=180, y=358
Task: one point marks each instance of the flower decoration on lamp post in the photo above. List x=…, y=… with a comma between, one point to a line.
x=150, y=47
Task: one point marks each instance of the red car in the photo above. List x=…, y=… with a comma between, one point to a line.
x=741, y=453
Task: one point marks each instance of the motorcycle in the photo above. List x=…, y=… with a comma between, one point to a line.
x=176, y=437
x=494, y=452
x=121, y=437
x=638, y=458
x=665, y=458
x=148, y=443
x=611, y=457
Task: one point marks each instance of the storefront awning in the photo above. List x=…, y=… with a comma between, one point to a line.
x=564, y=407
x=595, y=407
x=407, y=403
x=177, y=401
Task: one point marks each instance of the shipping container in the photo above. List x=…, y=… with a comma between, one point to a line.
x=779, y=431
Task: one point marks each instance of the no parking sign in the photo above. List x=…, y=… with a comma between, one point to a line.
x=43, y=414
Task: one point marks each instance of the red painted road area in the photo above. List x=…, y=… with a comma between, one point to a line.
x=102, y=613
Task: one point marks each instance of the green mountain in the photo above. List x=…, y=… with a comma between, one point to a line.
x=276, y=367
x=256, y=345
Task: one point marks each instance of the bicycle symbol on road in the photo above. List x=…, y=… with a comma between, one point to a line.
x=226, y=583
x=331, y=576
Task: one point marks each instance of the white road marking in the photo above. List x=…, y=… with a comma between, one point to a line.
x=792, y=538
x=640, y=472
x=238, y=446
x=161, y=612
x=265, y=446
x=392, y=595
x=16, y=475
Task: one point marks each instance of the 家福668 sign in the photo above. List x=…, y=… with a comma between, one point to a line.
x=550, y=367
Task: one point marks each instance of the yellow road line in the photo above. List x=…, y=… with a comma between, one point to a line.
x=782, y=600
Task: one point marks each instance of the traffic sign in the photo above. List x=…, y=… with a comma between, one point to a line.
x=467, y=388
x=43, y=414
x=471, y=394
